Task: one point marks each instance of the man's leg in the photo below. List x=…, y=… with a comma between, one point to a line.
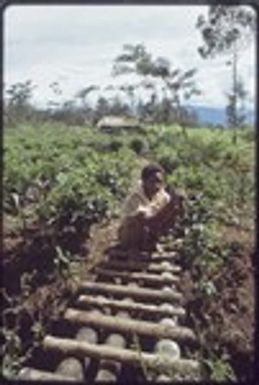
x=132, y=234
x=165, y=218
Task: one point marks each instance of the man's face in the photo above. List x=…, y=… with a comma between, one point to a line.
x=153, y=184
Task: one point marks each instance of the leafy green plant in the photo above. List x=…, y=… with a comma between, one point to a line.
x=138, y=145
x=12, y=354
x=218, y=369
x=63, y=182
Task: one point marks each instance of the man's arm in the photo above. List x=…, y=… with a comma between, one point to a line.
x=177, y=201
x=134, y=207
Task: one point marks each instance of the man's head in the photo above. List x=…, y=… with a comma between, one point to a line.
x=152, y=177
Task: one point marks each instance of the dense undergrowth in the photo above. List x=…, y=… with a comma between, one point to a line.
x=217, y=242
x=59, y=181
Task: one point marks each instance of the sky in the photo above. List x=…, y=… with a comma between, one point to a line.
x=76, y=46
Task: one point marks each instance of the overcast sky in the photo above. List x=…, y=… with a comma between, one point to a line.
x=76, y=45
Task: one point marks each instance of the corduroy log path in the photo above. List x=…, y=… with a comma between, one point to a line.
x=128, y=324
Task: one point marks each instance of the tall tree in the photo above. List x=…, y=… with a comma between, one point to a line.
x=225, y=31
x=175, y=85
x=236, y=101
x=19, y=106
x=102, y=108
x=135, y=59
x=129, y=90
x=83, y=95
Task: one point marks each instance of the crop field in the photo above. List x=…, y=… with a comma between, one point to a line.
x=61, y=184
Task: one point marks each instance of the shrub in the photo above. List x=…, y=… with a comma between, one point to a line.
x=139, y=146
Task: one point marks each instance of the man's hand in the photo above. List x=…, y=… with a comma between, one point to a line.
x=177, y=200
x=143, y=213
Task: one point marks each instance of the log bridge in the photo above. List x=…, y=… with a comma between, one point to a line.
x=128, y=325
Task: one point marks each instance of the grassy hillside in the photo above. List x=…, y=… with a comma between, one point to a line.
x=59, y=181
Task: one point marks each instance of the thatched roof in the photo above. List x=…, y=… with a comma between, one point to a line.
x=115, y=122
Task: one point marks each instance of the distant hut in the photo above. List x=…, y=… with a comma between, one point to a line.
x=111, y=124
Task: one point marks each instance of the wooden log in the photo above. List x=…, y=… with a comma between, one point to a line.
x=144, y=256
x=168, y=347
x=129, y=326
x=134, y=307
x=163, y=378
x=110, y=369
x=168, y=289
x=72, y=368
x=167, y=265
x=104, y=310
x=164, y=256
x=145, y=277
x=30, y=374
x=88, y=335
x=145, y=266
x=116, y=340
x=166, y=275
x=106, y=375
x=143, y=293
x=133, y=284
x=82, y=349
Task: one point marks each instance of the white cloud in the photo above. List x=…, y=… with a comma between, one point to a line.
x=77, y=44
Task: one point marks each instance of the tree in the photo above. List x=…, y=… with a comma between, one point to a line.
x=236, y=101
x=83, y=94
x=129, y=90
x=102, y=108
x=168, y=88
x=84, y=109
x=225, y=32
x=134, y=60
x=18, y=106
x=118, y=107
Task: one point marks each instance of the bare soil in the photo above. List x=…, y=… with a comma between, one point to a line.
x=43, y=295
x=226, y=323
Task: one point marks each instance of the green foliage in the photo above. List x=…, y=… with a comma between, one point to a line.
x=210, y=164
x=67, y=179
x=53, y=176
x=18, y=104
x=218, y=178
x=115, y=145
x=12, y=359
x=176, y=85
x=219, y=369
x=225, y=31
x=224, y=28
x=138, y=145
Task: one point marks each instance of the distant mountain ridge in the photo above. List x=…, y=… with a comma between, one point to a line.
x=214, y=115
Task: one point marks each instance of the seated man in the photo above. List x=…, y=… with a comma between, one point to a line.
x=148, y=211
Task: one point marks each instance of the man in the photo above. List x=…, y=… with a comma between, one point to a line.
x=148, y=211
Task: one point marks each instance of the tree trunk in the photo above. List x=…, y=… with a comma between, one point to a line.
x=30, y=374
x=139, y=292
x=129, y=326
x=235, y=93
x=134, y=307
x=135, y=276
x=82, y=349
x=134, y=265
